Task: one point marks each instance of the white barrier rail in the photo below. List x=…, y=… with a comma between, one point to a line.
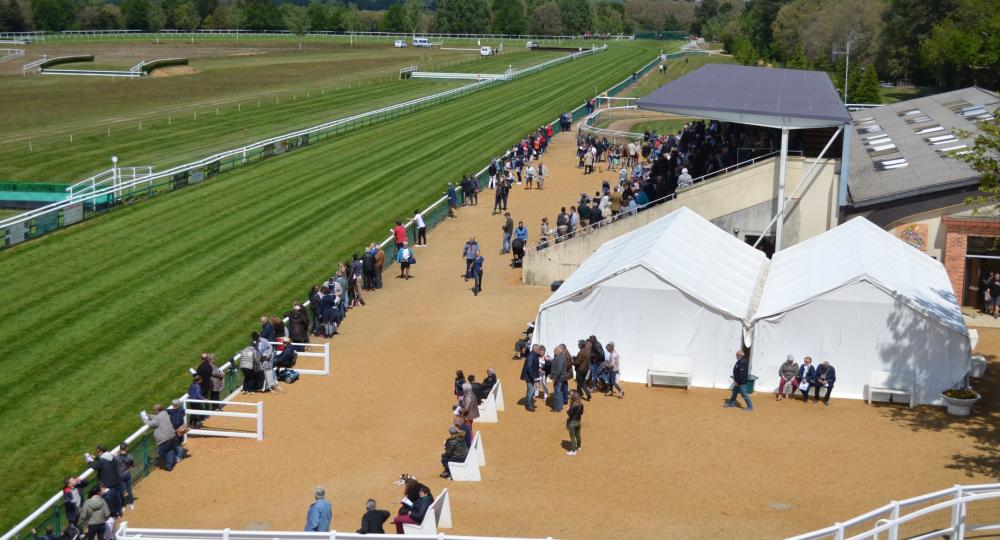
x=459, y=76
x=110, y=177
x=148, y=180
x=93, y=73
x=324, y=353
x=893, y=515
x=6, y=55
x=125, y=532
x=32, y=66
x=257, y=416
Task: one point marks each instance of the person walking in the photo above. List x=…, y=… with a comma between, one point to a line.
x=529, y=372
x=320, y=513
x=405, y=258
x=612, y=366
x=582, y=365
x=469, y=252
x=477, y=271
x=741, y=374
x=508, y=231
x=574, y=418
x=421, y=229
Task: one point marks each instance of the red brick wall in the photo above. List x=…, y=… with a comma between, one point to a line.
x=956, y=243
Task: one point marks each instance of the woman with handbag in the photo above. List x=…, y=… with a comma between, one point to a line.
x=405, y=258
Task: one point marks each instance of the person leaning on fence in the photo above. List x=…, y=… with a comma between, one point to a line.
x=125, y=462
x=49, y=534
x=176, y=413
x=414, y=515
x=106, y=467
x=455, y=450
x=786, y=378
x=164, y=435
x=94, y=515
x=249, y=363
x=373, y=520
x=194, y=392
x=73, y=497
x=320, y=513
x=418, y=219
x=452, y=199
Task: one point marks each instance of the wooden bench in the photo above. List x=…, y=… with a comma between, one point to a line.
x=671, y=367
x=438, y=517
x=468, y=470
x=488, y=408
x=880, y=382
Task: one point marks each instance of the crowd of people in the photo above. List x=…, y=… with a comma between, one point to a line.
x=469, y=394
x=792, y=378
x=416, y=502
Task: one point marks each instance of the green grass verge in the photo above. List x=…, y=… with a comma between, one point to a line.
x=675, y=70
x=117, y=308
x=895, y=95
x=661, y=127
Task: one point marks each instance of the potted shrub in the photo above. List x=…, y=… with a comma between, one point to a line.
x=960, y=400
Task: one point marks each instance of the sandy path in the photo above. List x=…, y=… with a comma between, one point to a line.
x=661, y=463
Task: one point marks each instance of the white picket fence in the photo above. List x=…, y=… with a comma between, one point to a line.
x=6, y=55
x=257, y=416
x=950, y=513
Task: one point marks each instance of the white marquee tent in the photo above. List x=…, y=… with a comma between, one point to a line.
x=865, y=301
x=678, y=286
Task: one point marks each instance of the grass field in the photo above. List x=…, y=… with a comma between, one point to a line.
x=117, y=308
x=675, y=69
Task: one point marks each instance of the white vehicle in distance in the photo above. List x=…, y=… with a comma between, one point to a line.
x=399, y=44
x=421, y=42
x=486, y=51
x=530, y=44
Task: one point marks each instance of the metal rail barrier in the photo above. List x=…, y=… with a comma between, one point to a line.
x=125, y=532
x=257, y=417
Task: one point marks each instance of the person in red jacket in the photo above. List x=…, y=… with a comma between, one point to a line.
x=399, y=233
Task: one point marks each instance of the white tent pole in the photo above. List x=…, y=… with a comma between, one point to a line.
x=782, y=163
x=805, y=182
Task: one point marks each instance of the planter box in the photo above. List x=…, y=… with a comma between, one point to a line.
x=960, y=407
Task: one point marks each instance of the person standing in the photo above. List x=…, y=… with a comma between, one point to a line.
x=469, y=405
x=379, y=264
x=421, y=229
x=94, y=515
x=741, y=374
x=521, y=233
x=314, y=302
x=298, y=324
x=574, y=418
x=613, y=365
x=826, y=376
x=205, y=372
x=320, y=513
x=529, y=176
x=477, y=271
x=452, y=199
x=249, y=364
x=218, y=381
x=508, y=231
x=399, y=234
x=469, y=252
x=164, y=435
x=405, y=258
x=73, y=497
x=372, y=521
x=529, y=372
x=543, y=171
x=106, y=467
x=582, y=365
x=368, y=268
x=557, y=372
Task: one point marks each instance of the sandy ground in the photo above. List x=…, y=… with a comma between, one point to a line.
x=173, y=71
x=661, y=463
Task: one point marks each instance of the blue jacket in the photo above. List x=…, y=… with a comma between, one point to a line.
x=529, y=371
x=521, y=233
x=477, y=264
x=318, y=518
x=741, y=371
x=807, y=372
x=194, y=391
x=452, y=195
x=830, y=374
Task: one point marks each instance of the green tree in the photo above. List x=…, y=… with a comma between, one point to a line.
x=413, y=12
x=11, y=18
x=351, y=19
x=798, y=60
x=206, y=7
x=964, y=49
x=260, y=15
x=394, y=19
x=545, y=19
x=509, y=17
x=157, y=18
x=757, y=23
x=319, y=17
x=866, y=87
x=983, y=158
x=136, y=14
x=53, y=15
x=907, y=23
x=463, y=16
x=335, y=18
x=705, y=12
x=575, y=15
x=219, y=19
x=186, y=17
x=296, y=19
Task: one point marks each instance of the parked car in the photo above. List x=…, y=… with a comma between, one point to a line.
x=421, y=42
x=399, y=44
x=486, y=51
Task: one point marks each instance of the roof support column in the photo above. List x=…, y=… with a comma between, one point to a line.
x=845, y=160
x=780, y=213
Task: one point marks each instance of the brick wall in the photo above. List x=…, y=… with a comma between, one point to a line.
x=956, y=243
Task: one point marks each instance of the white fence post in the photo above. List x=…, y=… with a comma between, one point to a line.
x=326, y=358
x=260, y=420
x=894, y=518
x=839, y=535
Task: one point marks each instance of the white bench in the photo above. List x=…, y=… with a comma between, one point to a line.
x=438, y=517
x=879, y=382
x=477, y=447
x=468, y=470
x=488, y=408
x=671, y=367
x=498, y=398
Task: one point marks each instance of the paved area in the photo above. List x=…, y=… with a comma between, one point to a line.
x=661, y=463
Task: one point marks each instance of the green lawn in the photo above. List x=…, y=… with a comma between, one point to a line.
x=675, y=69
x=661, y=127
x=894, y=95
x=117, y=308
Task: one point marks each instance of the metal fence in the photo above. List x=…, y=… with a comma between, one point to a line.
x=89, y=203
x=98, y=35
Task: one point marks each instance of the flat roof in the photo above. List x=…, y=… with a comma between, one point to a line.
x=905, y=149
x=770, y=97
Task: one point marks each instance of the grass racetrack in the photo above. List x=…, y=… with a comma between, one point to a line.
x=103, y=319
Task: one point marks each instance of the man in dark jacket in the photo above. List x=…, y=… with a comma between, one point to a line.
x=298, y=324
x=582, y=365
x=806, y=377
x=107, y=469
x=477, y=389
x=204, y=371
x=557, y=372
x=529, y=372
x=266, y=329
x=597, y=358
x=417, y=511
x=489, y=382
x=371, y=522
x=825, y=377
x=741, y=374
x=455, y=450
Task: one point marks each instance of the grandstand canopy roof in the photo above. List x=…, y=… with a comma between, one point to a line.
x=777, y=98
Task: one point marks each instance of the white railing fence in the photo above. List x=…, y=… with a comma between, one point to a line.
x=6, y=55
x=146, y=182
x=125, y=532
x=950, y=513
x=41, y=36
x=257, y=416
x=111, y=177
x=311, y=350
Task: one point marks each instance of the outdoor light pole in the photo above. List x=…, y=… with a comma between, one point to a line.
x=114, y=173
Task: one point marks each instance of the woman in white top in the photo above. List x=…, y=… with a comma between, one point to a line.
x=612, y=365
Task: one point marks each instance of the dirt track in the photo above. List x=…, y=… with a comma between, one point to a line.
x=661, y=463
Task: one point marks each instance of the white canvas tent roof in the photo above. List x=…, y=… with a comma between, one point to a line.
x=685, y=250
x=860, y=251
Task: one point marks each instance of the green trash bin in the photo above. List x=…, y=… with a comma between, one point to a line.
x=750, y=383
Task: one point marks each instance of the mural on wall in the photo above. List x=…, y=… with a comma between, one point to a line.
x=915, y=235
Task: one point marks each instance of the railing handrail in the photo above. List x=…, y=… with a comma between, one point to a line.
x=25, y=216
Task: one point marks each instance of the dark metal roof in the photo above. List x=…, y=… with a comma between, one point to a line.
x=770, y=97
